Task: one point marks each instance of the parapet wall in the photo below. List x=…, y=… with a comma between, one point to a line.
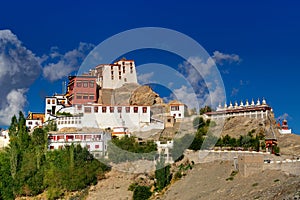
x=206, y=156
x=248, y=162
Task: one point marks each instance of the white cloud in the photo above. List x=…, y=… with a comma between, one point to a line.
x=61, y=65
x=185, y=95
x=15, y=102
x=145, y=78
x=19, y=68
x=220, y=58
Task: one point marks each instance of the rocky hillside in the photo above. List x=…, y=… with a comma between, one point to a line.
x=130, y=94
x=208, y=181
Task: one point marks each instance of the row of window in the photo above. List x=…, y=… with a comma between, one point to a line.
x=53, y=101
x=97, y=146
x=112, y=109
x=76, y=137
x=85, y=96
x=69, y=122
x=85, y=84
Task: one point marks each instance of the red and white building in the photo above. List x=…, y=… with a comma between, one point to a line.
x=120, y=132
x=34, y=120
x=284, y=128
x=81, y=90
x=95, y=142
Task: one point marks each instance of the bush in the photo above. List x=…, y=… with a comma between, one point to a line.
x=141, y=193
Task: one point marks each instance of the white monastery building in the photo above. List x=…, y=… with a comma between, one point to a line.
x=112, y=76
x=253, y=110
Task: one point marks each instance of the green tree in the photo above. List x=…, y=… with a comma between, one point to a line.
x=205, y=110
x=162, y=174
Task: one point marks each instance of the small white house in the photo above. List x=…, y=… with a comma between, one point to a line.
x=4, y=139
x=177, y=110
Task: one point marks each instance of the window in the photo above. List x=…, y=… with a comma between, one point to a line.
x=112, y=77
x=91, y=97
x=78, y=137
x=120, y=77
x=79, y=84
x=112, y=72
x=169, y=120
x=30, y=123
x=179, y=114
x=127, y=109
x=51, y=147
x=111, y=68
x=124, y=69
x=92, y=84
x=87, y=137
x=85, y=96
x=85, y=84
x=87, y=109
x=144, y=109
x=174, y=108
x=95, y=109
x=36, y=123
x=104, y=109
x=79, y=107
x=123, y=63
x=88, y=146
x=119, y=68
x=111, y=109
x=130, y=63
x=48, y=101
x=135, y=109
x=97, y=146
x=78, y=96
x=131, y=69
x=48, y=111
x=53, y=101
x=119, y=109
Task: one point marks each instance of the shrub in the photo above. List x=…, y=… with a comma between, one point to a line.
x=141, y=193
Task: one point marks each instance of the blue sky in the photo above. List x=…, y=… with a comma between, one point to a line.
x=263, y=34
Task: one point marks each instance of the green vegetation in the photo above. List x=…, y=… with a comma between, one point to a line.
x=162, y=174
x=254, y=184
x=27, y=168
x=66, y=114
x=205, y=110
x=127, y=149
x=232, y=175
x=141, y=193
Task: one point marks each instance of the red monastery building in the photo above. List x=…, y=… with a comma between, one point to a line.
x=81, y=90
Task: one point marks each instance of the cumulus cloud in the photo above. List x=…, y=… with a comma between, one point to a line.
x=19, y=68
x=61, y=65
x=145, y=78
x=220, y=58
x=15, y=102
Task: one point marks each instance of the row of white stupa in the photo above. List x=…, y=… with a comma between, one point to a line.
x=242, y=105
